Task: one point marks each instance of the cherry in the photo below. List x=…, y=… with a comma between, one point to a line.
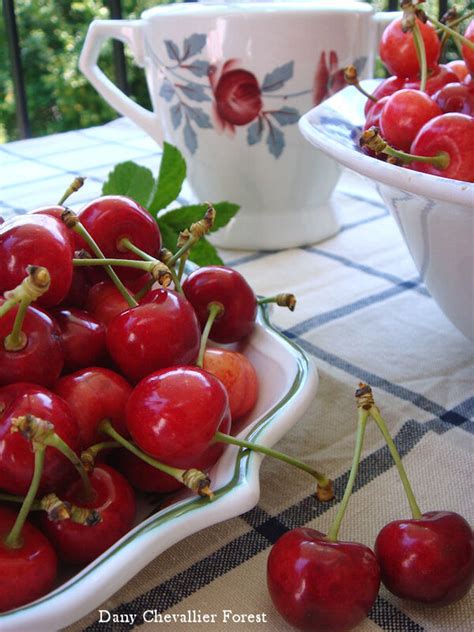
x=438, y=78
x=227, y=287
x=429, y=559
x=16, y=453
x=459, y=67
x=143, y=476
x=26, y=572
x=161, y=332
x=114, y=503
x=405, y=112
x=384, y=89
x=320, y=585
x=80, y=287
x=238, y=375
x=238, y=97
x=94, y=394
x=397, y=49
x=38, y=240
x=468, y=53
x=456, y=97
x=110, y=219
x=82, y=336
x=105, y=302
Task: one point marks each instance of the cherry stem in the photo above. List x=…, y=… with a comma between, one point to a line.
x=188, y=238
x=374, y=412
x=13, y=539
x=215, y=309
x=88, y=456
x=324, y=483
x=128, y=245
x=372, y=139
x=283, y=300
x=17, y=339
x=361, y=425
x=421, y=54
x=192, y=478
x=352, y=79
x=461, y=19
x=75, y=185
x=156, y=268
x=72, y=221
x=145, y=289
x=454, y=34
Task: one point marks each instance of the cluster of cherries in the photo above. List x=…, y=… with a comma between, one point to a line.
x=107, y=380
x=422, y=116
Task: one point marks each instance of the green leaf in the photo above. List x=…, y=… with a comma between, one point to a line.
x=183, y=217
x=204, y=254
x=132, y=180
x=169, y=236
x=170, y=179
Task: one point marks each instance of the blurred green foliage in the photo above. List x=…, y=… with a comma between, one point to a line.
x=59, y=97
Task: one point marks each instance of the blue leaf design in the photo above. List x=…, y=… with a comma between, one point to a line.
x=194, y=91
x=254, y=132
x=360, y=64
x=199, y=116
x=193, y=45
x=190, y=138
x=172, y=50
x=276, y=79
x=286, y=116
x=199, y=68
x=167, y=90
x=176, y=115
x=275, y=141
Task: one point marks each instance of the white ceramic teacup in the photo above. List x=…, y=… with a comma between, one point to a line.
x=228, y=83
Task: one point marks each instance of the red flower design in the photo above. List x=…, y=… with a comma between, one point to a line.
x=328, y=79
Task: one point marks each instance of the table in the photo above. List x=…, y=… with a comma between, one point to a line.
x=362, y=314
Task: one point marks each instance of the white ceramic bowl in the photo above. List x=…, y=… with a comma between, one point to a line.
x=288, y=383
x=435, y=215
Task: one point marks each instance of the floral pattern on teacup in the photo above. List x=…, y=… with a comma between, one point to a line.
x=231, y=96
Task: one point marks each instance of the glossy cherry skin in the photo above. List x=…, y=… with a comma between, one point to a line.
x=468, y=53
x=42, y=359
x=16, y=452
x=229, y=288
x=94, y=394
x=113, y=217
x=397, y=49
x=114, y=501
x=321, y=586
x=105, y=302
x=174, y=414
x=238, y=97
x=82, y=336
x=456, y=97
x=440, y=76
x=238, y=375
x=144, y=477
x=27, y=572
x=38, y=240
x=454, y=134
x=404, y=115
x=459, y=67
x=430, y=560
x=384, y=89
x=161, y=332
x=80, y=287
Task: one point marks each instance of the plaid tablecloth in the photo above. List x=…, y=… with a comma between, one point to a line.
x=362, y=314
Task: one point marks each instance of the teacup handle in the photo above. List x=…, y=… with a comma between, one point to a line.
x=128, y=32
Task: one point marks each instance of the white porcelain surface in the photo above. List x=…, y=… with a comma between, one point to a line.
x=435, y=215
x=288, y=383
x=242, y=144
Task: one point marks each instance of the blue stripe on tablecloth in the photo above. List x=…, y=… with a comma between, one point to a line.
x=266, y=529
x=360, y=222
x=362, y=198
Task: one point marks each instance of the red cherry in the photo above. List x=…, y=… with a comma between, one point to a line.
x=80, y=286
x=238, y=97
x=105, y=302
x=456, y=97
x=239, y=377
x=384, y=89
x=174, y=414
x=162, y=332
x=36, y=240
x=111, y=218
x=403, y=116
x=459, y=67
x=211, y=284
x=145, y=477
x=94, y=394
x=41, y=360
x=16, y=452
x=451, y=133
x=113, y=500
x=430, y=559
x=440, y=76
x=56, y=212
x=28, y=572
x=83, y=338
x=321, y=586
x=468, y=53
x=398, y=53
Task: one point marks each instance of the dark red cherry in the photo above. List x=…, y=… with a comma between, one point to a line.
x=16, y=452
x=456, y=97
x=105, y=302
x=82, y=336
x=219, y=284
x=27, y=572
x=144, y=477
x=440, y=76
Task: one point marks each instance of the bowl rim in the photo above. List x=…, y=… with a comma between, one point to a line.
x=416, y=182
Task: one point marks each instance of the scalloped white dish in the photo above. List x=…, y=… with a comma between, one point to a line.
x=435, y=215
x=288, y=383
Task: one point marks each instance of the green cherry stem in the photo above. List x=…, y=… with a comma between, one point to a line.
x=351, y=77
x=324, y=483
x=283, y=300
x=188, y=238
x=88, y=456
x=454, y=34
x=421, y=54
x=159, y=271
x=214, y=309
x=361, y=425
x=13, y=539
x=192, y=478
x=17, y=339
x=128, y=245
x=75, y=185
